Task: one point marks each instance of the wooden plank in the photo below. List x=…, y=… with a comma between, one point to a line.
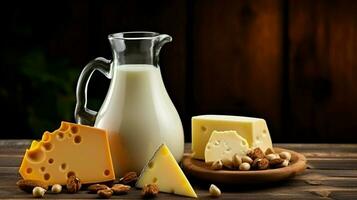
x=324, y=150
x=341, y=164
x=323, y=45
x=290, y=189
x=237, y=59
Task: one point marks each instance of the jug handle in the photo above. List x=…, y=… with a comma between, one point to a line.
x=82, y=114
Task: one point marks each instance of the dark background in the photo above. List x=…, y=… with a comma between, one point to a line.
x=292, y=62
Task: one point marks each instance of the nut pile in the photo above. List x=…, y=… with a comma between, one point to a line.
x=73, y=185
x=255, y=159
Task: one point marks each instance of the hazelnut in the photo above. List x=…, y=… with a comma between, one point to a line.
x=285, y=155
x=244, y=166
x=38, y=192
x=56, y=188
x=214, y=191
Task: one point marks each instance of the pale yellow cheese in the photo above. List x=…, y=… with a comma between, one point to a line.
x=223, y=145
x=73, y=149
x=254, y=130
x=164, y=171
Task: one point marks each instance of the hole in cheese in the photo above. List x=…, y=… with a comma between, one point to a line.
x=36, y=155
x=154, y=180
x=107, y=172
x=42, y=169
x=47, y=176
x=173, y=191
x=203, y=128
x=151, y=164
x=64, y=127
x=243, y=143
x=63, y=166
x=71, y=173
x=50, y=160
x=77, y=139
x=60, y=135
x=29, y=170
x=74, y=129
x=47, y=146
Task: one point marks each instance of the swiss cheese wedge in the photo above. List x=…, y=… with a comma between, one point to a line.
x=73, y=149
x=164, y=171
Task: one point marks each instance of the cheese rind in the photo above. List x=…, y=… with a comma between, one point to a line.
x=223, y=145
x=254, y=130
x=72, y=149
x=164, y=171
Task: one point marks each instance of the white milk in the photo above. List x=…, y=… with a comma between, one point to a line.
x=139, y=116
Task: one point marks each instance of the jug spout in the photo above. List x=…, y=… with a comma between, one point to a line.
x=163, y=39
x=137, y=47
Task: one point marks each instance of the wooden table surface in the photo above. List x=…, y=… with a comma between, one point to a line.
x=331, y=174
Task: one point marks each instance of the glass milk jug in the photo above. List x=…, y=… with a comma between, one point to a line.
x=137, y=111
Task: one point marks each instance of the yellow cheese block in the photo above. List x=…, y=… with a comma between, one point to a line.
x=223, y=145
x=254, y=130
x=164, y=171
x=73, y=149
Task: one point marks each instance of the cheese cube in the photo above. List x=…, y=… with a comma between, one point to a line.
x=73, y=149
x=224, y=145
x=164, y=171
x=254, y=130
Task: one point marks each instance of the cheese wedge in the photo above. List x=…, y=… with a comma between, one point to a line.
x=223, y=145
x=254, y=130
x=73, y=149
x=164, y=171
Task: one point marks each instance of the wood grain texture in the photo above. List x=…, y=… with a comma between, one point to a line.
x=323, y=70
x=331, y=176
x=237, y=59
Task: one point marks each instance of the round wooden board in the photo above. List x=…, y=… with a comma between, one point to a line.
x=200, y=170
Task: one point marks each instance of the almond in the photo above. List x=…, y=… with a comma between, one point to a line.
x=105, y=194
x=275, y=162
x=260, y=163
x=120, y=189
x=129, y=178
x=96, y=187
x=256, y=153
